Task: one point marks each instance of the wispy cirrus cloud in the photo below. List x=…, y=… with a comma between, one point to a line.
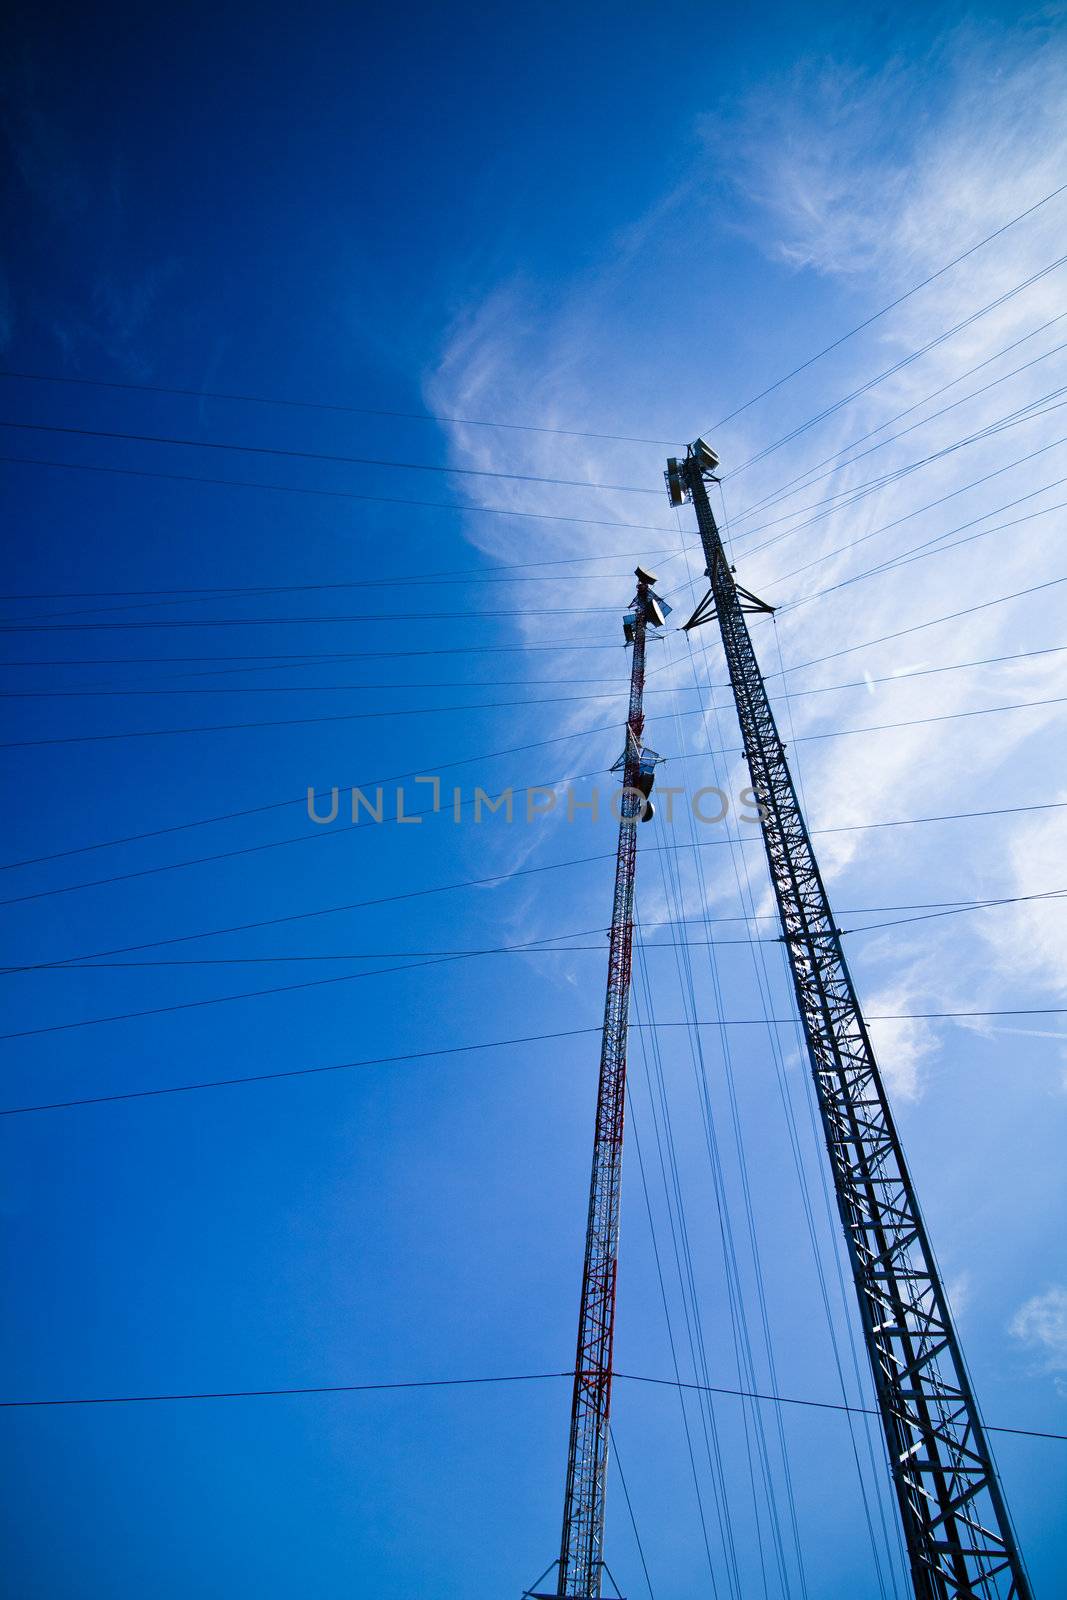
x=902, y=1046
x=821, y=187
x=1040, y=1327
x=883, y=170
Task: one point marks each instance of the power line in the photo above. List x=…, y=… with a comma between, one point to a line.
x=420, y=1055
x=762, y=976
x=120, y=691
x=301, y=916
x=307, y=656
x=412, y=711
x=898, y=366
x=280, y=661
x=915, y=552
x=451, y=1383
x=277, y=844
x=362, y=617
x=820, y=1405
x=899, y=557
x=861, y=911
x=548, y=945
x=536, y=948
x=471, y=422
x=225, y=999
x=802, y=480
x=866, y=323
x=381, y=972
x=743, y=1348
x=829, y=505
x=463, y=578
x=902, y=677
x=944, y=816
x=916, y=722
x=921, y=552
x=900, y=633
x=321, y=405
x=930, y=909
x=630, y=1509
x=356, y=905
x=317, y=455
x=299, y=800
x=109, y=691
x=263, y=1394
x=432, y=579
x=281, y=805
x=336, y=494
x=295, y=1072
x=861, y=491
x=951, y=911
x=873, y=1016
x=294, y=722
x=717, y=1479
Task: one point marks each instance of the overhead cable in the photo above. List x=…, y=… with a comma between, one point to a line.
x=442, y=1383
x=516, y=749
x=468, y=883
x=802, y=480
x=875, y=316
x=465, y=506
x=323, y=405
x=322, y=456
x=897, y=366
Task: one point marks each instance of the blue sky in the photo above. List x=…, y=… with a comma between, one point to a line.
x=618, y=224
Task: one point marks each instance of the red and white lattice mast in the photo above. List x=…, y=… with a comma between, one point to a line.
x=581, y=1558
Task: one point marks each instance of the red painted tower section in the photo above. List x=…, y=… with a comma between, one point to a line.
x=581, y=1560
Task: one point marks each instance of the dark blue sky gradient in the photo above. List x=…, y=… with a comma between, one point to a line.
x=314, y=203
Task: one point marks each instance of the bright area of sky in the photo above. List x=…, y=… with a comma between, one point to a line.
x=620, y=223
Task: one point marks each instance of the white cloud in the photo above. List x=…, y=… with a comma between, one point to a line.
x=1040, y=1326
x=824, y=199
x=958, y=1290
x=901, y=1045
x=1028, y=942
x=977, y=115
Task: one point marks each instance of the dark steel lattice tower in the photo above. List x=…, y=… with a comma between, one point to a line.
x=581, y=1557
x=959, y=1536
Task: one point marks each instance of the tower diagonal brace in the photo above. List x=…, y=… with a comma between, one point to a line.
x=957, y=1529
